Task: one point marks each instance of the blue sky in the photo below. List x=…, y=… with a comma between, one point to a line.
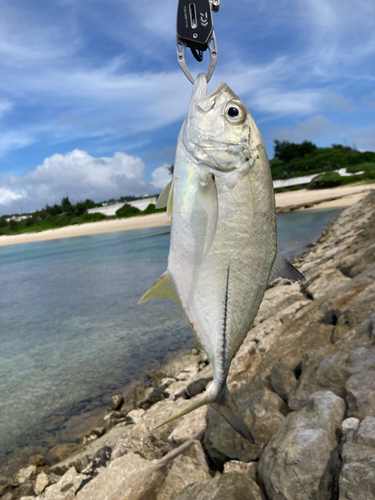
x=92, y=98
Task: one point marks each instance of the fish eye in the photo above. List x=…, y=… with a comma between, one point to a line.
x=234, y=113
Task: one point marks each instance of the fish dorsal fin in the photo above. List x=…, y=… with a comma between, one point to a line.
x=164, y=287
x=207, y=198
x=282, y=268
x=163, y=198
x=170, y=200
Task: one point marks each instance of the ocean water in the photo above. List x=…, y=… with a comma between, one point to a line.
x=72, y=335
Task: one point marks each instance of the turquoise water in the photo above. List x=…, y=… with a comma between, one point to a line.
x=71, y=333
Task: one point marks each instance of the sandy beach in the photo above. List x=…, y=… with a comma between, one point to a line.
x=345, y=196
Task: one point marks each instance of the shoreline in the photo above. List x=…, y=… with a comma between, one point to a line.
x=290, y=201
x=261, y=359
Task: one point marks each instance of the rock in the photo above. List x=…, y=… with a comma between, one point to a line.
x=361, y=359
x=65, y=488
x=191, y=426
x=198, y=383
x=248, y=468
x=132, y=477
x=366, y=432
x=358, y=468
x=262, y=410
x=25, y=475
x=349, y=426
x=187, y=364
x=86, y=454
x=167, y=381
x=301, y=459
x=361, y=394
x=41, y=483
x=116, y=402
x=62, y=451
x=176, y=390
x=38, y=460
x=233, y=486
x=4, y=485
x=142, y=402
x=157, y=394
x=283, y=380
x=25, y=490
x=134, y=416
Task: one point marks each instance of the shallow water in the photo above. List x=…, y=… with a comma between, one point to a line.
x=71, y=333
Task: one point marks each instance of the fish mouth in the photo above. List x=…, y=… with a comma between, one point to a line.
x=200, y=102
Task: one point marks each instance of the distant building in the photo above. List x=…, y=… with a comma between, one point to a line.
x=17, y=218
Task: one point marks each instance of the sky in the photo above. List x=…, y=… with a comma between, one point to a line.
x=92, y=97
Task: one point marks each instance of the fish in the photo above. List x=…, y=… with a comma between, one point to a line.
x=223, y=248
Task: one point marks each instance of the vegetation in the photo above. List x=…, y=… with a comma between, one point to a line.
x=65, y=214
x=297, y=160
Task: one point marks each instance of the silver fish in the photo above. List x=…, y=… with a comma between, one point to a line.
x=223, y=235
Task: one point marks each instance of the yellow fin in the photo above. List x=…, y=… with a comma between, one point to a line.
x=170, y=201
x=190, y=408
x=164, y=287
x=163, y=198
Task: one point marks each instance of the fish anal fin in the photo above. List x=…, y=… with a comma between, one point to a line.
x=164, y=287
x=163, y=197
x=282, y=268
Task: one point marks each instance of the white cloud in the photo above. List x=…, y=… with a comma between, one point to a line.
x=7, y=196
x=5, y=107
x=161, y=176
x=14, y=140
x=78, y=175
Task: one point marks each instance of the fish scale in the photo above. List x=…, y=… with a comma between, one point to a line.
x=223, y=249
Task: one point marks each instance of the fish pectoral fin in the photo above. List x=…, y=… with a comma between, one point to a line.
x=282, y=268
x=170, y=200
x=164, y=195
x=207, y=198
x=164, y=287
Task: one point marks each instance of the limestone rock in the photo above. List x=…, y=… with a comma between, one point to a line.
x=176, y=390
x=349, y=426
x=366, y=432
x=361, y=394
x=358, y=469
x=301, y=457
x=262, y=410
x=132, y=477
x=85, y=454
x=41, y=483
x=233, y=486
x=25, y=490
x=248, y=468
x=134, y=416
x=283, y=380
x=116, y=402
x=38, y=460
x=4, y=485
x=198, y=383
x=65, y=488
x=25, y=475
x=62, y=451
x=157, y=394
x=187, y=364
x=191, y=426
x=361, y=359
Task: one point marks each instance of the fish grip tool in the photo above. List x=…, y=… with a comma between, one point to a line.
x=195, y=30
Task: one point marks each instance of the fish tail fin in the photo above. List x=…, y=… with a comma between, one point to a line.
x=225, y=405
x=194, y=406
x=228, y=409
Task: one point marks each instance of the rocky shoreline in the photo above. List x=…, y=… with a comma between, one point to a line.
x=304, y=380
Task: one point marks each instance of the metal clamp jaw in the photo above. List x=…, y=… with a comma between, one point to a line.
x=195, y=30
